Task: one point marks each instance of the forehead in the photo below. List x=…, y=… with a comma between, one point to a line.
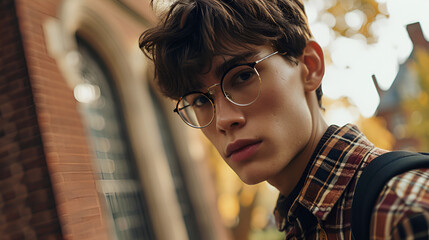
x=221, y=63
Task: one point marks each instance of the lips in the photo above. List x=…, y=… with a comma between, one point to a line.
x=242, y=149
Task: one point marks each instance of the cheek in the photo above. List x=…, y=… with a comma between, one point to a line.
x=284, y=108
x=283, y=96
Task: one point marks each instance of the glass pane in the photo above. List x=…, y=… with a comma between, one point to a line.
x=118, y=177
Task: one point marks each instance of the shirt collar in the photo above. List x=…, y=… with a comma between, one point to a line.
x=333, y=165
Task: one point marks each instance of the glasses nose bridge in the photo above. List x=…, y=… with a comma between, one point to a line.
x=211, y=91
x=212, y=86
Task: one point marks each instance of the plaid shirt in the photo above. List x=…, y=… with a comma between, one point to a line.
x=320, y=205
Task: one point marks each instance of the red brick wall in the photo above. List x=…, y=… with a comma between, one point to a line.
x=43, y=146
x=27, y=202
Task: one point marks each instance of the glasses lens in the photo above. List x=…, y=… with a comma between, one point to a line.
x=196, y=109
x=242, y=85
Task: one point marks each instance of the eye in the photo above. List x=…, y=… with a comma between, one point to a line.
x=200, y=101
x=242, y=77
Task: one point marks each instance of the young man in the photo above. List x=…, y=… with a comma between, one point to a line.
x=248, y=74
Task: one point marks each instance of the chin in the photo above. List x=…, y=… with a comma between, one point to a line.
x=252, y=180
x=253, y=172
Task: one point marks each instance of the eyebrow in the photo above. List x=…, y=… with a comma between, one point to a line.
x=222, y=68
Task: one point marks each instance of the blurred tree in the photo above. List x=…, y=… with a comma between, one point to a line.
x=374, y=128
x=355, y=17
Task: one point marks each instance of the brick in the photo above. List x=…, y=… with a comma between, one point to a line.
x=40, y=195
x=77, y=194
x=8, y=195
x=28, y=122
x=40, y=201
x=11, y=147
x=81, y=215
x=28, y=28
x=19, y=69
x=13, y=48
x=48, y=228
x=66, y=167
x=16, y=103
x=30, y=233
x=11, y=228
x=56, y=122
x=20, y=133
x=38, y=184
x=3, y=153
x=76, y=177
x=8, y=158
x=16, y=84
x=17, y=236
x=11, y=214
x=52, y=101
x=39, y=53
x=43, y=217
x=7, y=17
x=45, y=7
x=31, y=131
x=72, y=158
x=87, y=225
x=16, y=169
x=20, y=190
x=33, y=163
x=56, y=236
x=40, y=206
x=23, y=113
x=21, y=93
x=16, y=56
x=14, y=93
x=10, y=130
x=86, y=188
x=34, y=152
x=35, y=174
x=18, y=62
x=30, y=142
x=64, y=120
x=5, y=173
x=7, y=188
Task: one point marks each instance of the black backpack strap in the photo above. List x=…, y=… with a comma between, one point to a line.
x=374, y=177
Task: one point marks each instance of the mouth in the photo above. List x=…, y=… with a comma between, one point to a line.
x=242, y=149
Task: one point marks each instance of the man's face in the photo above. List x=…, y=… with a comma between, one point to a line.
x=261, y=140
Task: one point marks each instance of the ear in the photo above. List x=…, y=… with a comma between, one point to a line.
x=314, y=62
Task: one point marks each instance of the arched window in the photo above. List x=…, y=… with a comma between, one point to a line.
x=118, y=178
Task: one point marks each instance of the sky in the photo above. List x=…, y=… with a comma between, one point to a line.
x=354, y=61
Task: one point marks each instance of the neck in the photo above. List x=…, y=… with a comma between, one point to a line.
x=287, y=179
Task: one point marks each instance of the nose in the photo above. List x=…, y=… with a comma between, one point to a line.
x=228, y=116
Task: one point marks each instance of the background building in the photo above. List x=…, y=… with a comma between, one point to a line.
x=86, y=149
x=404, y=106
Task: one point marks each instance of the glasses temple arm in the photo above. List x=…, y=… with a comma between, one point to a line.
x=262, y=59
x=180, y=109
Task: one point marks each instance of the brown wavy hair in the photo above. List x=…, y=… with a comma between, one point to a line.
x=192, y=32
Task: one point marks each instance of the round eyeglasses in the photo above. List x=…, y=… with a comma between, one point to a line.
x=240, y=84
